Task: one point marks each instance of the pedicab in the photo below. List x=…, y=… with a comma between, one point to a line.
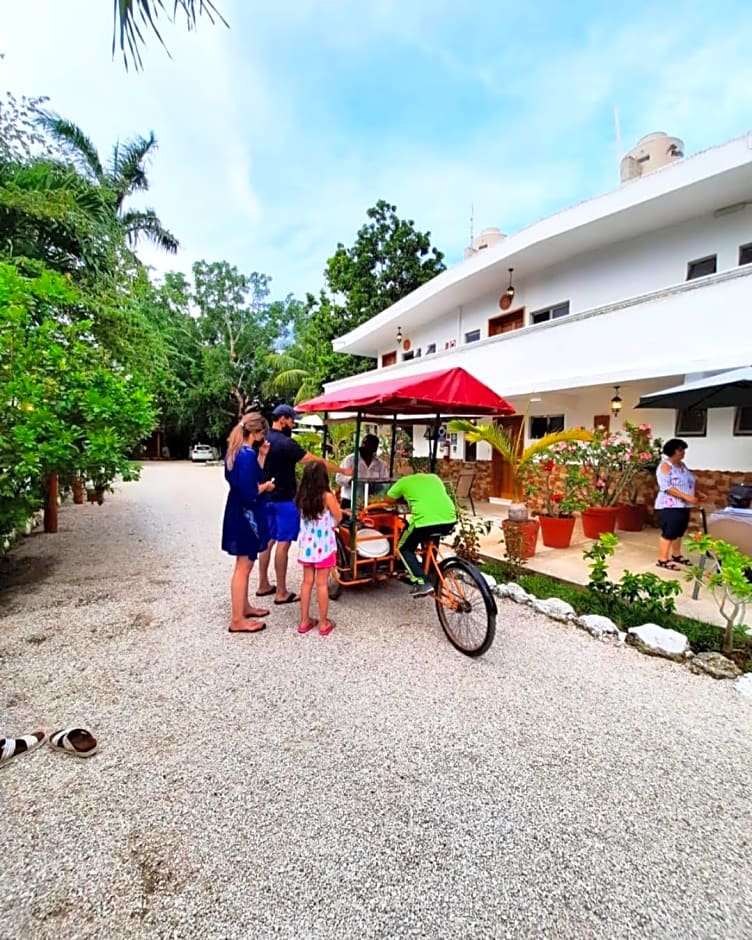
x=368, y=536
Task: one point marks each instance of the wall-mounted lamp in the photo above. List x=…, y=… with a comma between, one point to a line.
x=399, y=334
x=509, y=292
x=616, y=403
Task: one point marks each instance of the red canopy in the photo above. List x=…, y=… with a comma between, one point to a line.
x=448, y=392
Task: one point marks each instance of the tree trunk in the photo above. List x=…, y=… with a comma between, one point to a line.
x=50, y=503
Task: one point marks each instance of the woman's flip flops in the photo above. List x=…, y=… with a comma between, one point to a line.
x=13, y=747
x=78, y=742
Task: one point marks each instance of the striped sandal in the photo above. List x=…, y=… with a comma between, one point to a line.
x=12, y=747
x=78, y=742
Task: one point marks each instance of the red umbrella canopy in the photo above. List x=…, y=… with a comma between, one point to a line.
x=448, y=392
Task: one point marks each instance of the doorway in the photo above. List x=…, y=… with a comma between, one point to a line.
x=502, y=476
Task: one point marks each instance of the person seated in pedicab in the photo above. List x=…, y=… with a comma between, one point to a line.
x=432, y=511
x=369, y=468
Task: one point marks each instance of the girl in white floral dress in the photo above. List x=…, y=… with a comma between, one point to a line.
x=317, y=546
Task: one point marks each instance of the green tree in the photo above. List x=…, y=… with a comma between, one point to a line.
x=133, y=17
x=389, y=259
x=118, y=179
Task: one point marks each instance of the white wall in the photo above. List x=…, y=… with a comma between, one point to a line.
x=617, y=272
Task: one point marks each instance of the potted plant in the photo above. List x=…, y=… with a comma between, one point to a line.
x=556, y=487
x=610, y=462
x=519, y=460
x=644, y=455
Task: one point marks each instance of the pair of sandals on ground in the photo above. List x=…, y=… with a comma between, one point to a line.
x=674, y=562
x=77, y=742
x=325, y=626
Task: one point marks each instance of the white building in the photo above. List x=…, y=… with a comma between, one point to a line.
x=641, y=288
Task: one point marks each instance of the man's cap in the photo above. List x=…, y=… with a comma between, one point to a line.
x=284, y=411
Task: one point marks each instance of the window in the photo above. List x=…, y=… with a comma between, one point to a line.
x=550, y=313
x=408, y=355
x=388, y=359
x=745, y=254
x=702, y=267
x=513, y=320
x=473, y=336
x=541, y=425
x=430, y=349
x=691, y=423
x=743, y=421
x=471, y=451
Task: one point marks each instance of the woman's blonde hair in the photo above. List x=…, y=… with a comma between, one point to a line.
x=248, y=424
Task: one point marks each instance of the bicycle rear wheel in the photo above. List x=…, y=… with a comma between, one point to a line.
x=465, y=606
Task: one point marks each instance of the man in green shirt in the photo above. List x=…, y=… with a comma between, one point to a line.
x=432, y=511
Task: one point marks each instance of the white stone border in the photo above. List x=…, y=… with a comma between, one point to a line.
x=649, y=638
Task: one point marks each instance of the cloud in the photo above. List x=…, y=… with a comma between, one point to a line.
x=278, y=134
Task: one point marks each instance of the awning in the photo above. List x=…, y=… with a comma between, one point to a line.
x=725, y=390
x=450, y=393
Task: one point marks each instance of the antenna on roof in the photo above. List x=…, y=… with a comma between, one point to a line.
x=617, y=128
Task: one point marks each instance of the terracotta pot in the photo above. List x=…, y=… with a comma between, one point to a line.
x=529, y=531
x=631, y=517
x=556, y=531
x=598, y=519
x=91, y=496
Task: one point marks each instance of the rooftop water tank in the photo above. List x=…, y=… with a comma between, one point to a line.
x=651, y=152
x=489, y=236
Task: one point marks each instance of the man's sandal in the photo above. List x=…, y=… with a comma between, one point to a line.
x=12, y=747
x=668, y=565
x=681, y=559
x=78, y=742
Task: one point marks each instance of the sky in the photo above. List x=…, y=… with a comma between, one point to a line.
x=277, y=134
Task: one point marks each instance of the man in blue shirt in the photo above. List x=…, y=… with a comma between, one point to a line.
x=282, y=513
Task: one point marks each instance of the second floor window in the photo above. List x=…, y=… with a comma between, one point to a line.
x=702, y=267
x=473, y=336
x=745, y=254
x=550, y=313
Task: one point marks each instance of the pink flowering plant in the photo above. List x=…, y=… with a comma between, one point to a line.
x=613, y=464
x=554, y=485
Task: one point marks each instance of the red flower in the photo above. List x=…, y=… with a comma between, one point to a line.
x=548, y=466
x=557, y=497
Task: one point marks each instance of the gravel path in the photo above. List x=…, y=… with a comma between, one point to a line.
x=374, y=783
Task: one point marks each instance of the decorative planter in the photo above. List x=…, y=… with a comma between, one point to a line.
x=528, y=532
x=598, y=519
x=630, y=517
x=556, y=531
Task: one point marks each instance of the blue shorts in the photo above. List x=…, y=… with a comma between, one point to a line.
x=283, y=520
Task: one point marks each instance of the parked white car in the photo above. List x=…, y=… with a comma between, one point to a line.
x=201, y=452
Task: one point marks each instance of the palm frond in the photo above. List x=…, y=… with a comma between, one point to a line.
x=74, y=142
x=146, y=223
x=131, y=16
x=127, y=170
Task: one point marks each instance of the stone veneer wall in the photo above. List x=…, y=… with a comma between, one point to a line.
x=714, y=483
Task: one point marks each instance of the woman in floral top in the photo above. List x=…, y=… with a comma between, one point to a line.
x=676, y=495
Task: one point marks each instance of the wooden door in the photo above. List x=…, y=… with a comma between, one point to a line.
x=502, y=479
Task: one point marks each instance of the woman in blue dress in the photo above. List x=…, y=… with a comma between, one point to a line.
x=244, y=532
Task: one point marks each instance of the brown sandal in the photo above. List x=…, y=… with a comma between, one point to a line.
x=668, y=565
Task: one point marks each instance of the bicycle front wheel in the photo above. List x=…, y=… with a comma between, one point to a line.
x=465, y=606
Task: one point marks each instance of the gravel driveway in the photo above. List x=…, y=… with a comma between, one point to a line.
x=374, y=783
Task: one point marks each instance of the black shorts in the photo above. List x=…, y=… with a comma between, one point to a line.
x=674, y=523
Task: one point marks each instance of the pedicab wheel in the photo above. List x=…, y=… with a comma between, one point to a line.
x=465, y=606
x=334, y=585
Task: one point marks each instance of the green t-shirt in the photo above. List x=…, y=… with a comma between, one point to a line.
x=427, y=498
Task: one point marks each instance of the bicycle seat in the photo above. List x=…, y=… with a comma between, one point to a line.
x=434, y=537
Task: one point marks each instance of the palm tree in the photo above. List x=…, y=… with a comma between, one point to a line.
x=508, y=445
x=291, y=376
x=124, y=175
x=132, y=15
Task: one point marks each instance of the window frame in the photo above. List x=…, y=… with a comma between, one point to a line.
x=550, y=311
x=547, y=418
x=691, y=276
x=745, y=249
x=681, y=431
x=475, y=336
x=739, y=431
